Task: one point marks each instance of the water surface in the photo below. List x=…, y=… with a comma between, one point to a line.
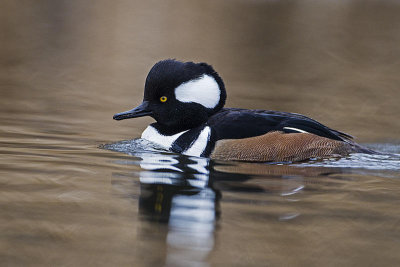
x=72, y=193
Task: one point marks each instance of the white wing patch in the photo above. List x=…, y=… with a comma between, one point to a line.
x=200, y=144
x=204, y=91
x=165, y=141
x=295, y=129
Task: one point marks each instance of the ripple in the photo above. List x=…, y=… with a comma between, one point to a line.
x=359, y=161
x=133, y=146
x=389, y=159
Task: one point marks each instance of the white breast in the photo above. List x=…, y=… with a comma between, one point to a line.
x=197, y=148
x=165, y=141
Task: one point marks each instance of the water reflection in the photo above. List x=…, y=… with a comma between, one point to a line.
x=177, y=191
x=180, y=196
x=188, y=205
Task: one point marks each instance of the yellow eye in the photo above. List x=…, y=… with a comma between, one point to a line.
x=163, y=99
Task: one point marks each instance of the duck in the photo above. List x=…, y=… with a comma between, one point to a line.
x=187, y=99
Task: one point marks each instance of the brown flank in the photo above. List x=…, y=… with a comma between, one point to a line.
x=279, y=146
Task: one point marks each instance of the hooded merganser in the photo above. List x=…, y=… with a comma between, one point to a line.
x=186, y=99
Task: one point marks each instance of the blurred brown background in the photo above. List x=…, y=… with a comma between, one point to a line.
x=68, y=66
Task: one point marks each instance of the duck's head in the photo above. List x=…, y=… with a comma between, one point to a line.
x=179, y=95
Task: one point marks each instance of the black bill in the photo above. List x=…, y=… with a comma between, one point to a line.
x=139, y=111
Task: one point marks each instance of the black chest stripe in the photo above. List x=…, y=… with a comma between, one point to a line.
x=186, y=140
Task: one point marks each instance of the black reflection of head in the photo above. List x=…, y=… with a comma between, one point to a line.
x=185, y=178
x=156, y=200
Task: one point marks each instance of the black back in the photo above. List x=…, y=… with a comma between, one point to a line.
x=234, y=123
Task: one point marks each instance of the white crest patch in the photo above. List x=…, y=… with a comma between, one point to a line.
x=204, y=91
x=165, y=141
x=200, y=144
